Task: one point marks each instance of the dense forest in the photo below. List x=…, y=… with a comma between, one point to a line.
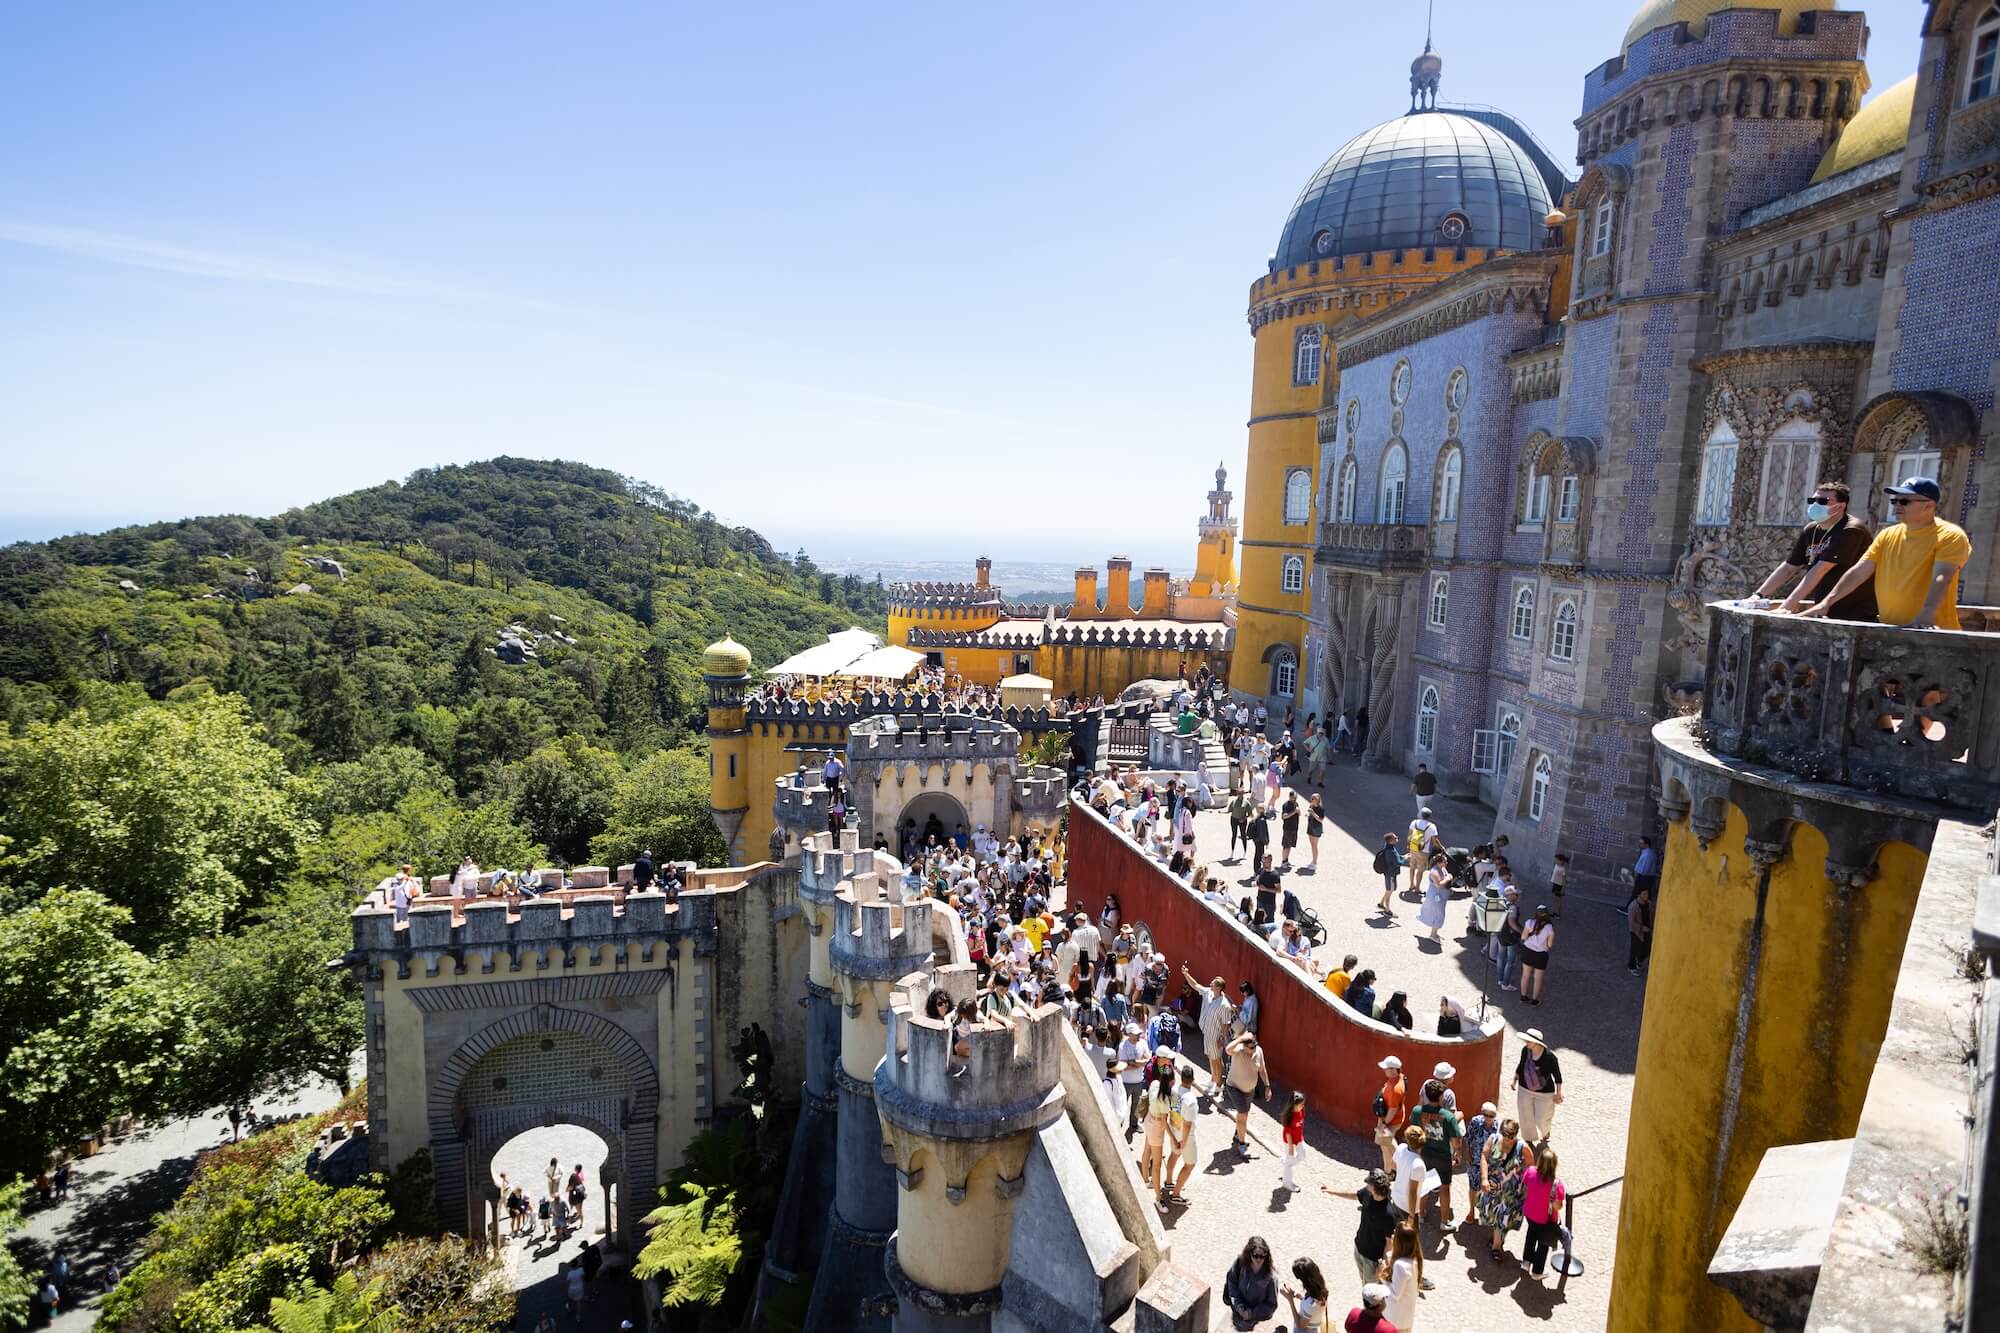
x=215, y=732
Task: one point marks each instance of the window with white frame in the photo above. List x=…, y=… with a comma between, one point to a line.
x=1791, y=470
x=1427, y=719
x=1440, y=597
x=1562, y=636
x=1450, y=482
x=1298, y=495
x=1983, y=79
x=1285, y=674
x=1484, y=744
x=1305, y=355
x=1510, y=738
x=1343, y=499
x=1718, y=478
x=1917, y=459
x=1522, y=624
x=1538, y=787
x=1294, y=578
x=1569, y=498
x=1395, y=482
x=1600, y=231
x=1538, y=500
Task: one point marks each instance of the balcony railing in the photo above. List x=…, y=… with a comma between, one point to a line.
x=1380, y=546
x=1893, y=711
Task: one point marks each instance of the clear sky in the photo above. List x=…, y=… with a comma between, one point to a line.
x=871, y=278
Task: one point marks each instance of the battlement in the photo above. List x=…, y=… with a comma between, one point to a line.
x=892, y=737
x=1041, y=791
x=928, y=596
x=876, y=934
x=846, y=712
x=803, y=803
x=826, y=859
x=487, y=928
x=1011, y=1081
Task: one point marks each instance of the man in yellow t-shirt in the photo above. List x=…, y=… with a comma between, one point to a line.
x=1915, y=562
x=1336, y=980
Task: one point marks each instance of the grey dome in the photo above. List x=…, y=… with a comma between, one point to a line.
x=1392, y=187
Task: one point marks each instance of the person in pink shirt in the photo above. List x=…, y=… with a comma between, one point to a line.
x=1541, y=1205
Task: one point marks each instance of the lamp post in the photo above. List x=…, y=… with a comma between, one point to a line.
x=1489, y=909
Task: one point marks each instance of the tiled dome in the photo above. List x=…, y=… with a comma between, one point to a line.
x=1429, y=178
x=1881, y=127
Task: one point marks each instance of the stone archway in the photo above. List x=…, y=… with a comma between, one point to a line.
x=949, y=810
x=544, y=1066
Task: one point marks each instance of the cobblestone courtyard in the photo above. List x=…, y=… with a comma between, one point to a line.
x=1591, y=1017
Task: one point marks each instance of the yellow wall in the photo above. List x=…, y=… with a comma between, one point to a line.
x=1284, y=435
x=767, y=761
x=1825, y=970
x=948, y=619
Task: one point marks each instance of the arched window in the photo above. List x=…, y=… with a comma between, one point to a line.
x=1298, y=495
x=1562, y=638
x=1343, y=500
x=1395, y=481
x=1510, y=737
x=1285, y=673
x=1791, y=470
x=1522, y=626
x=1538, y=787
x=1305, y=355
x=1427, y=719
x=1449, y=484
x=1295, y=574
x=1718, y=478
x=1983, y=80
x=1440, y=598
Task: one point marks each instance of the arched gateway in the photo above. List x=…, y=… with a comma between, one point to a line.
x=601, y=1008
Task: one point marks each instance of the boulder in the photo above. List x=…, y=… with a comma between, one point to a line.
x=298, y=588
x=126, y=585
x=324, y=565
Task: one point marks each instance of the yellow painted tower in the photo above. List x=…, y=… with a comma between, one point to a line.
x=725, y=668
x=1215, y=557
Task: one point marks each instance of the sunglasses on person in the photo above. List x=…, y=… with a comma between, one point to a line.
x=1898, y=501
x=1823, y=499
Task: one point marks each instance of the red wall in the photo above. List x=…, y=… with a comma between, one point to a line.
x=1311, y=1041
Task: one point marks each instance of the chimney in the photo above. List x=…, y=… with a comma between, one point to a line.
x=1086, y=595
x=1118, y=587
x=1156, y=606
x=983, y=572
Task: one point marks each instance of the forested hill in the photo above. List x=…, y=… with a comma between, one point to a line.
x=634, y=581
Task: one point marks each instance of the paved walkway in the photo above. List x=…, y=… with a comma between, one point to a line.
x=535, y=1265
x=1591, y=1017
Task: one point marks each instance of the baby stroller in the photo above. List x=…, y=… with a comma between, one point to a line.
x=1459, y=862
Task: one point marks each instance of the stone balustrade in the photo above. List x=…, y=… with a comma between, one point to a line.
x=1886, y=710
x=1373, y=546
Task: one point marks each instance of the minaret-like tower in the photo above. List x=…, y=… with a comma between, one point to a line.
x=1215, y=557
x=876, y=940
x=725, y=668
x=960, y=1133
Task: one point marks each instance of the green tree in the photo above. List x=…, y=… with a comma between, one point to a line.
x=91, y=1029
x=440, y=1285
x=662, y=806
x=346, y=1307
x=695, y=1244
x=377, y=780
x=493, y=733
x=429, y=830
x=17, y=1284
x=179, y=813
x=562, y=795
x=334, y=717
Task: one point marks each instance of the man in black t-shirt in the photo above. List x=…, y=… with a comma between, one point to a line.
x=1268, y=883
x=1371, y=1237
x=1830, y=544
x=1423, y=787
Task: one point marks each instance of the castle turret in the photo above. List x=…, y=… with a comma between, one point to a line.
x=1215, y=556
x=876, y=939
x=982, y=576
x=725, y=668
x=1084, y=604
x=960, y=1132
x=1118, y=586
x=1157, y=602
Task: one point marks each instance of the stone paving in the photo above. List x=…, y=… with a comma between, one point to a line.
x=534, y=1264
x=1591, y=1017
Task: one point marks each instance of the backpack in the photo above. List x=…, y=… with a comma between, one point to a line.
x=1383, y=865
x=543, y=1211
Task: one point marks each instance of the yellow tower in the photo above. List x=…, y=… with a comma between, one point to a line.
x=1215, y=556
x=725, y=666
x=1785, y=901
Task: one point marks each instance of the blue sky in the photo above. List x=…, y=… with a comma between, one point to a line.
x=873, y=279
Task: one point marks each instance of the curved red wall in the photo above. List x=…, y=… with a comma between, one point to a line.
x=1311, y=1041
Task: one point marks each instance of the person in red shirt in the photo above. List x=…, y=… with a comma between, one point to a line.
x=1367, y=1316
x=1295, y=1138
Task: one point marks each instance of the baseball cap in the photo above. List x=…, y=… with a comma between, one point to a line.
x=1374, y=1294
x=1389, y=1062
x=1924, y=488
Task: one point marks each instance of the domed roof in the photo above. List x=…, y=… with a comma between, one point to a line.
x=1880, y=127
x=1395, y=186
x=727, y=658
x=1659, y=13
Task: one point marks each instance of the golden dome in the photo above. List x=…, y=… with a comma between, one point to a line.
x=1878, y=128
x=727, y=658
x=1659, y=13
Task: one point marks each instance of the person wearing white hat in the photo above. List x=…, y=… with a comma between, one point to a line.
x=1537, y=1085
x=1390, y=1109
x=1367, y=1317
x=1444, y=1073
x=1133, y=1057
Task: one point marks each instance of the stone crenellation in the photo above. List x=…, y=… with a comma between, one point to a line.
x=1196, y=637
x=827, y=858
x=877, y=935
x=1011, y=1080
x=889, y=738
x=778, y=712
x=932, y=596
x=485, y=930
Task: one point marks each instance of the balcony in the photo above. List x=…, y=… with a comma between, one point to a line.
x=1896, y=712
x=1371, y=546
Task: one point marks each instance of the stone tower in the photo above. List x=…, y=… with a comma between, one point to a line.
x=1800, y=808
x=960, y=1133
x=725, y=668
x=876, y=939
x=1215, y=556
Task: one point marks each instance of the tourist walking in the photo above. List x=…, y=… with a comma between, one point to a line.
x=1639, y=929
x=1249, y=1289
x=1388, y=864
x=1378, y=1222
x=1537, y=1085
x=1479, y=1132
x=1240, y=806
x=1645, y=870
x=1424, y=845
x=1541, y=1205
x=1247, y=1078
x=1538, y=941
x=1437, y=891
x=1295, y=1140
x=1133, y=1057
x=1180, y=1133
x=1442, y=1143
x=1159, y=1104
x=1424, y=786
x=1500, y=1185
x=1315, y=828
x=1216, y=1014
